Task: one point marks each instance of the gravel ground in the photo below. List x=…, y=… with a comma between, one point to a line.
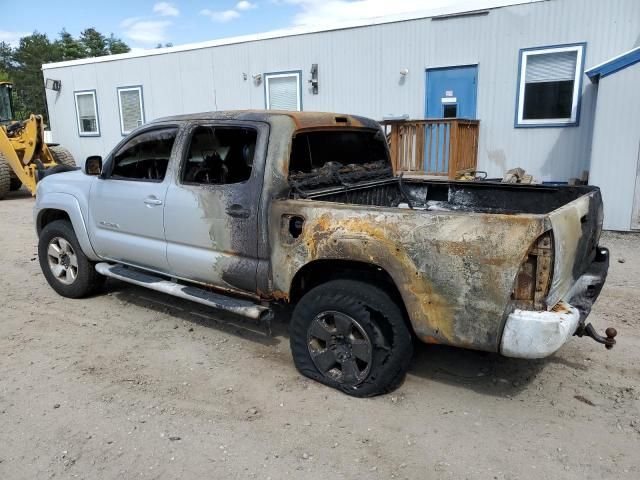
x=131, y=384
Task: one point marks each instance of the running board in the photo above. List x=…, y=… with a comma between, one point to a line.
x=244, y=308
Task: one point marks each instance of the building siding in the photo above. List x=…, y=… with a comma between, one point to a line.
x=616, y=145
x=359, y=73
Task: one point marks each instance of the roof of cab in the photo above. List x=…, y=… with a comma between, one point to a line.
x=302, y=120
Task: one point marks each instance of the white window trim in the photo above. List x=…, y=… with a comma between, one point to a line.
x=576, y=91
x=269, y=76
x=95, y=109
x=129, y=89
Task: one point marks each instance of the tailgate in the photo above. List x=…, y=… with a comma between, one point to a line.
x=576, y=231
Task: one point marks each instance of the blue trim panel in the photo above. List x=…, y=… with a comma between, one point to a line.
x=75, y=104
x=264, y=89
x=144, y=114
x=614, y=65
x=578, y=108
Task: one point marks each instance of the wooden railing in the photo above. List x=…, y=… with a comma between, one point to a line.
x=433, y=147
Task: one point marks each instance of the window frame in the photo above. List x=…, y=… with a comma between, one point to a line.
x=290, y=73
x=140, y=98
x=187, y=147
x=574, y=120
x=93, y=92
x=107, y=173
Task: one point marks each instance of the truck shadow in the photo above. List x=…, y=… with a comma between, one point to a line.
x=196, y=314
x=482, y=372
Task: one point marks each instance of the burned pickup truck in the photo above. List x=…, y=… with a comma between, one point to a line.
x=243, y=210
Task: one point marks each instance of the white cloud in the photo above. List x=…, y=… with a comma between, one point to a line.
x=220, y=16
x=165, y=9
x=12, y=38
x=245, y=5
x=145, y=31
x=330, y=11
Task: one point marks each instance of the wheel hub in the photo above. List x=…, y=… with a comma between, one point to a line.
x=62, y=260
x=340, y=347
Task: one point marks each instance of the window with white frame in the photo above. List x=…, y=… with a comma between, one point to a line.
x=131, y=108
x=550, y=84
x=87, y=113
x=283, y=91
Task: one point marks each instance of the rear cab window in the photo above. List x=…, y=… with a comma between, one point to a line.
x=328, y=157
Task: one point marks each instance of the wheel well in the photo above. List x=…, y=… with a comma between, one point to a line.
x=50, y=215
x=322, y=271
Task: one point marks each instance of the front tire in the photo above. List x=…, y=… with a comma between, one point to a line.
x=5, y=177
x=62, y=156
x=66, y=268
x=351, y=336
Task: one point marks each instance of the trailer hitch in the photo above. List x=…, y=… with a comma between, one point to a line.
x=589, y=330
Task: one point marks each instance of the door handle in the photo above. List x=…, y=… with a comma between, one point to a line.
x=238, y=211
x=152, y=201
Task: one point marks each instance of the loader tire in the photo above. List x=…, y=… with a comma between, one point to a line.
x=16, y=183
x=62, y=156
x=5, y=177
x=352, y=336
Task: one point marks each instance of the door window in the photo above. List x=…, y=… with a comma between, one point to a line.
x=220, y=155
x=146, y=156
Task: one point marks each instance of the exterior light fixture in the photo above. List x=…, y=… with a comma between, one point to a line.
x=54, y=85
x=404, y=72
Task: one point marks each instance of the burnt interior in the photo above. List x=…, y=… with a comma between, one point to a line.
x=353, y=167
x=482, y=197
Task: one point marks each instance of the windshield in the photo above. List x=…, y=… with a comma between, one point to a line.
x=5, y=103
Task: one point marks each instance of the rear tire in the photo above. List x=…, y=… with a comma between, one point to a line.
x=62, y=156
x=351, y=336
x=64, y=265
x=5, y=177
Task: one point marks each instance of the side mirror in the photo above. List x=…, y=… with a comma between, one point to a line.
x=93, y=165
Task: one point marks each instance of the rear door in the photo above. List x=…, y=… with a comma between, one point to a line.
x=126, y=207
x=211, y=213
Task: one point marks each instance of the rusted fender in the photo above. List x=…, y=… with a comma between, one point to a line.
x=455, y=271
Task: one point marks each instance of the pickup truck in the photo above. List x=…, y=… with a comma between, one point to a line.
x=243, y=210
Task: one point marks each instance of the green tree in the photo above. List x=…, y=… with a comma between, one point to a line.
x=70, y=48
x=94, y=42
x=115, y=45
x=22, y=65
x=25, y=71
x=6, y=53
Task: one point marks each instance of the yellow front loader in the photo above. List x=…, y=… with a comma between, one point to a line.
x=24, y=155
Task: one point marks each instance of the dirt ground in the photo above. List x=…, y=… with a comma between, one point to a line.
x=131, y=384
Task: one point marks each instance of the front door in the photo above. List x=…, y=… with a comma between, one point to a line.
x=126, y=206
x=211, y=215
x=450, y=93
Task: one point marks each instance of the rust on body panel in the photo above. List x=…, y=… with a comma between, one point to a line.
x=446, y=266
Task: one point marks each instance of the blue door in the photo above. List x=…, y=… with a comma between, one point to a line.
x=450, y=93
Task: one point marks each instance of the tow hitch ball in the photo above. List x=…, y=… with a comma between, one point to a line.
x=588, y=330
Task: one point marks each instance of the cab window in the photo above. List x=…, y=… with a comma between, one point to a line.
x=146, y=156
x=220, y=156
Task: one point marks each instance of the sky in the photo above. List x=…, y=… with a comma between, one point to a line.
x=145, y=23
